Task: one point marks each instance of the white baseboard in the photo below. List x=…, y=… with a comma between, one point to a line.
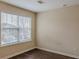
x=58, y=52
x=9, y=56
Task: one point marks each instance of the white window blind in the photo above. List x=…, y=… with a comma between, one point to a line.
x=15, y=29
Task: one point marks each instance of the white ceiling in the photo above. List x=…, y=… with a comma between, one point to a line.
x=36, y=7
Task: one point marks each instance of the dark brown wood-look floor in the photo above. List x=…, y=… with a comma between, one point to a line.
x=40, y=54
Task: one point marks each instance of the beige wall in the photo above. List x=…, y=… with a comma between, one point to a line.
x=58, y=30
x=8, y=50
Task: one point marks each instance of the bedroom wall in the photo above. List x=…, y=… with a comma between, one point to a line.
x=9, y=50
x=58, y=30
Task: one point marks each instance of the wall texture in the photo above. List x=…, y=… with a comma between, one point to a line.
x=58, y=30
x=8, y=50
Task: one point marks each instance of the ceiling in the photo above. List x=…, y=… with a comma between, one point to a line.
x=34, y=6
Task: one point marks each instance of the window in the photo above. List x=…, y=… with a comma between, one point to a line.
x=14, y=29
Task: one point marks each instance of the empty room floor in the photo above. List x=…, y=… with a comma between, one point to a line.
x=40, y=54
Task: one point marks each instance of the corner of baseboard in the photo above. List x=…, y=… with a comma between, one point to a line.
x=9, y=56
x=58, y=52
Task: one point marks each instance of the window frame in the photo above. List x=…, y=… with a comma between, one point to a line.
x=19, y=42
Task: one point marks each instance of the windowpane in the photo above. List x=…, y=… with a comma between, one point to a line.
x=9, y=28
x=9, y=35
x=22, y=22
x=12, y=20
x=3, y=18
x=24, y=28
x=8, y=20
